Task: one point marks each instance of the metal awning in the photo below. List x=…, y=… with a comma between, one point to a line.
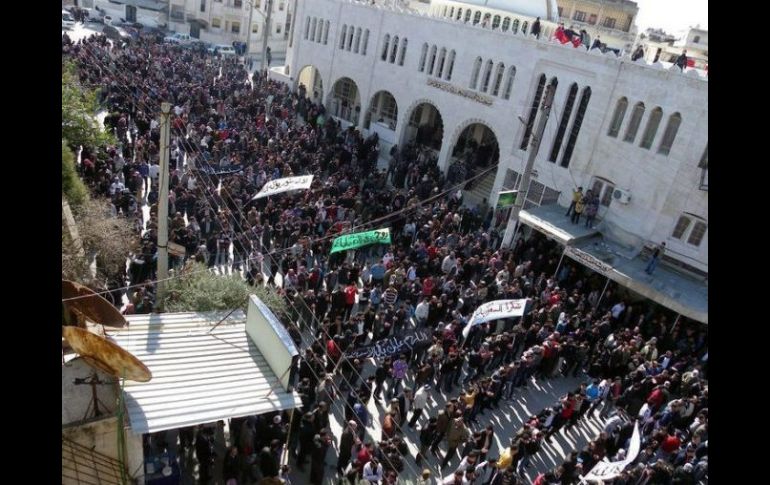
x=198, y=377
x=678, y=292
x=551, y=221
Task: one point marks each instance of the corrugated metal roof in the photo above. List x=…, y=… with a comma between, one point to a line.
x=197, y=377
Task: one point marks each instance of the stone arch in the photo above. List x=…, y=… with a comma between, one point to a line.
x=382, y=105
x=409, y=132
x=310, y=76
x=344, y=99
x=467, y=123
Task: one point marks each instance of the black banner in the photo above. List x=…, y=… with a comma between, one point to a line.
x=391, y=346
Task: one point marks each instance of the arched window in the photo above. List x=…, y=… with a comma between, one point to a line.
x=670, y=134
x=394, y=50
x=440, y=64
x=533, y=112
x=506, y=24
x=402, y=54
x=509, y=83
x=468, y=15
x=357, y=42
x=524, y=27
x=385, y=45
x=487, y=75
x=581, y=112
x=498, y=79
x=452, y=13
x=450, y=65
x=342, y=36
x=475, y=73
x=423, y=57
x=477, y=17
x=443, y=11
x=459, y=14
x=326, y=32
x=307, y=28
x=617, y=117
x=365, y=42
x=636, y=120
x=432, y=59
x=319, y=34
x=563, y=122
x=495, y=21
x=652, y=128
x=351, y=31
x=515, y=26
x=313, y=28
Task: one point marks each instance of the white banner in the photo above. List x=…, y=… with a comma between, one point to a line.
x=495, y=310
x=607, y=470
x=284, y=185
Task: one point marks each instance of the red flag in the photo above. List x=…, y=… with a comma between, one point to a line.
x=690, y=62
x=561, y=36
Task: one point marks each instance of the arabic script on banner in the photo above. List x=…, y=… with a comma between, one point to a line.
x=359, y=239
x=284, y=185
x=390, y=346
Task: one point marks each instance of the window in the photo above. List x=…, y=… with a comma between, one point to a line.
x=203, y=5
x=281, y=6
x=307, y=28
x=238, y=3
x=532, y=112
x=319, y=32
x=670, y=134
x=431, y=59
x=579, y=16
x=216, y=23
x=696, y=39
x=690, y=228
x=581, y=112
x=498, y=79
x=563, y=122
x=345, y=32
x=365, y=42
x=452, y=13
x=592, y=19
x=506, y=24
x=235, y=27
x=278, y=29
x=254, y=28
x=357, y=43
x=394, y=50
x=459, y=14
x=423, y=58
x=704, y=159
x=476, y=17
x=561, y=14
x=350, y=38
x=326, y=32
x=509, y=82
x=652, y=128
x=385, y=45
x=257, y=4
x=515, y=26
x=467, y=16
x=441, y=59
x=313, y=29
x=524, y=27
x=603, y=189
x=609, y=22
x=636, y=120
x=617, y=117
x=475, y=73
x=496, y=21
x=402, y=54
x=487, y=76
x=450, y=65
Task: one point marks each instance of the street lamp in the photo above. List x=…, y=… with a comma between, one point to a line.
x=265, y=32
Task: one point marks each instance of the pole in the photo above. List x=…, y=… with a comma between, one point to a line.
x=248, y=31
x=558, y=267
x=513, y=221
x=599, y=301
x=163, y=177
x=266, y=33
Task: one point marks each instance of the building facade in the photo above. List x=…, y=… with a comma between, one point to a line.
x=152, y=13
x=227, y=21
x=611, y=21
x=660, y=46
x=635, y=132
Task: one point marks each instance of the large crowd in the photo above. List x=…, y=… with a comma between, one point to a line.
x=230, y=134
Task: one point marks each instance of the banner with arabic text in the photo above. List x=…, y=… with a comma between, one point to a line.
x=607, y=470
x=391, y=346
x=359, y=239
x=284, y=185
x=494, y=310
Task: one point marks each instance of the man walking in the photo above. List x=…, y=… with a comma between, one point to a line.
x=657, y=253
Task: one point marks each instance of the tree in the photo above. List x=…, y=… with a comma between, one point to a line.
x=72, y=186
x=79, y=126
x=196, y=289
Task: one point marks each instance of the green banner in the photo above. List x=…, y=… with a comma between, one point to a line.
x=506, y=198
x=359, y=239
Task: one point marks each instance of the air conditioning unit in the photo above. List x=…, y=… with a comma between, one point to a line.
x=622, y=196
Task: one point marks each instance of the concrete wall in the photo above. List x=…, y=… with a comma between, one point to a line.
x=662, y=186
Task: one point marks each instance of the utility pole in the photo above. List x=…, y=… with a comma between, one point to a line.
x=534, y=146
x=266, y=34
x=165, y=110
x=248, y=31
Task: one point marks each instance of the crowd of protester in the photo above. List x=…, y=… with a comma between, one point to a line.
x=230, y=134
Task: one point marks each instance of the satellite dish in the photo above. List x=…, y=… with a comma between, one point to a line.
x=88, y=305
x=108, y=357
